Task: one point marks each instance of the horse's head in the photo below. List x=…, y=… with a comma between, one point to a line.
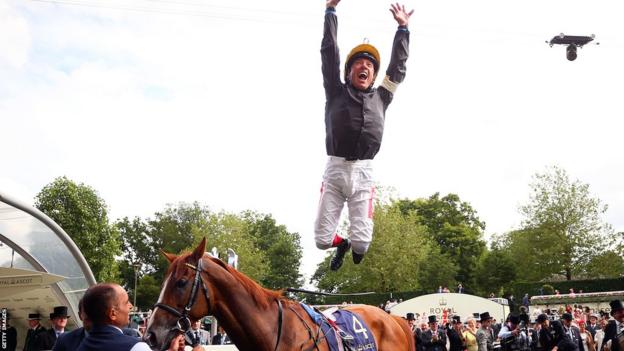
x=184, y=298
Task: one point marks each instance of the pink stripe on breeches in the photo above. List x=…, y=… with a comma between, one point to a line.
x=350, y=182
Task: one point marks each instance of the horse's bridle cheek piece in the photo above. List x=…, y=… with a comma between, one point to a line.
x=184, y=323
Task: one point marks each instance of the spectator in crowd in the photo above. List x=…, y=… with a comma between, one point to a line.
x=34, y=329
x=470, y=334
x=592, y=324
x=600, y=334
x=586, y=337
x=511, y=336
x=440, y=290
x=571, y=293
x=46, y=340
x=433, y=338
x=561, y=341
x=411, y=320
x=571, y=331
x=71, y=340
x=526, y=302
x=107, y=307
x=496, y=327
x=221, y=338
x=418, y=335
x=455, y=335
x=485, y=337
x=545, y=338
x=460, y=288
x=614, y=327
x=197, y=335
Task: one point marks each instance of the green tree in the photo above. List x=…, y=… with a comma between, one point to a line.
x=495, y=272
x=454, y=225
x=79, y=210
x=392, y=263
x=567, y=212
x=608, y=264
x=534, y=253
x=282, y=249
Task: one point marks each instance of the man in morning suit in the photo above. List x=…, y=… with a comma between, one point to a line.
x=614, y=327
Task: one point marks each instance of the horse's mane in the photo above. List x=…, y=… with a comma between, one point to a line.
x=262, y=296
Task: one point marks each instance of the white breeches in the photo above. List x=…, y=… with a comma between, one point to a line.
x=350, y=182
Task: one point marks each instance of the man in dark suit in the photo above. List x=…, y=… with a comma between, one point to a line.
x=614, y=328
x=455, y=337
x=33, y=331
x=71, y=340
x=571, y=332
x=107, y=307
x=433, y=339
x=221, y=337
x=592, y=326
x=545, y=337
x=46, y=340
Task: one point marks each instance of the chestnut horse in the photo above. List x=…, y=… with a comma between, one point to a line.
x=258, y=319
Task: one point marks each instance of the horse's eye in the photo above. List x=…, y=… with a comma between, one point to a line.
x=181, y=283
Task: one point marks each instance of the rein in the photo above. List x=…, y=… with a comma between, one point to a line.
x=184, y=323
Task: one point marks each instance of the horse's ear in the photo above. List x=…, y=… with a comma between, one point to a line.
x=198, y=253
x=168, y=256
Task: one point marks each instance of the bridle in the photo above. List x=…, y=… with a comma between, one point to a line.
x=184, y=323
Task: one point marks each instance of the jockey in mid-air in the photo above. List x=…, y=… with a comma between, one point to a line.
x=354, y=119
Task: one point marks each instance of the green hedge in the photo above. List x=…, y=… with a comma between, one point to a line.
x=372, y=299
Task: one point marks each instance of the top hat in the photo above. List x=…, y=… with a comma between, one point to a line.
x=34, y=316
x=59, y=311
x=456, y=319
x=616, y=305
x=542, y=318
x=567, y=317
x=432, y=319
x=410, y=317
x=513, y=318
x=485, y=316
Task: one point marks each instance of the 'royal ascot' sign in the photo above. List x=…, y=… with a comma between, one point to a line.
x=446, y=305
x=21, y=280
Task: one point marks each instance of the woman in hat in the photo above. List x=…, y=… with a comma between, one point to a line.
x=470, y=334
x=588, y=341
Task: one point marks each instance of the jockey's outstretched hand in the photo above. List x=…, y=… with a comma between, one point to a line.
x=400, y=14
x=331, y=3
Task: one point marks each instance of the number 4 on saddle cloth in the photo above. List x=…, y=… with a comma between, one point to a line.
x=344, y=330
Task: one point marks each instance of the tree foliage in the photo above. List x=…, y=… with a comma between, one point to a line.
x=495, y=272
x=398, y=249
x=80, y=211
x=267, y=252
x=454, y=225
x=567, y=214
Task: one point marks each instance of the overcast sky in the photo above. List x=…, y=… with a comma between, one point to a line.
x=153, y=102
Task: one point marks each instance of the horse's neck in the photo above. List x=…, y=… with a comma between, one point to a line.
x=249, y=325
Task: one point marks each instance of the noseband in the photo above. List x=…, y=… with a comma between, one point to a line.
x=184, y=323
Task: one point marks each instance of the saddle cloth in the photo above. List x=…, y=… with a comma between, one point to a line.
x=344, y=330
